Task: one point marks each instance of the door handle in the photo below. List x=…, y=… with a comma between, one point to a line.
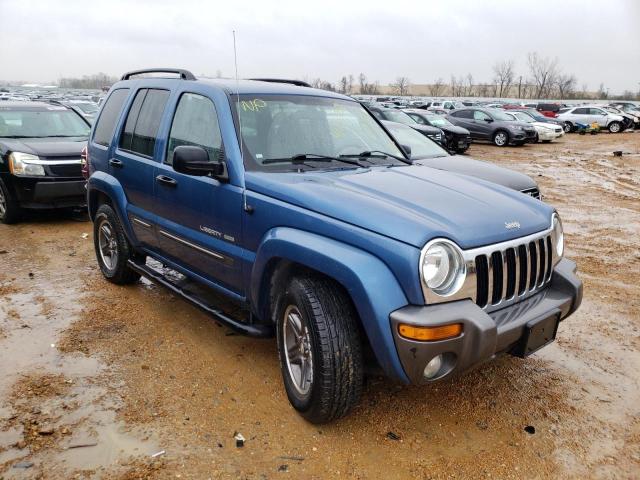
x=114, y=162
x=168, y=181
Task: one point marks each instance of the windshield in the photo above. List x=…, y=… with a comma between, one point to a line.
x=438, y=121
x=87, y=107
x=400, y=117
x=498, y=115
x=523, y=117
x=421, y=146
x=284, y=126
x=53, y=122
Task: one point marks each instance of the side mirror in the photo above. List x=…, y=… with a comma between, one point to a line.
x=192, y=160
x=407, y=150
x=488, y=120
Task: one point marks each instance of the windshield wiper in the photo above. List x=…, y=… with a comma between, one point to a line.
x=376, y=154
x=301, y=158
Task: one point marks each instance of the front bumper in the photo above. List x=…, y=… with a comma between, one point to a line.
x=484, y=334
x=43, y=192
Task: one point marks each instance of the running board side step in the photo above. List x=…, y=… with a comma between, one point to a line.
x=262, y=331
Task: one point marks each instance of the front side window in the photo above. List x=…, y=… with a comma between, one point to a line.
x=106, y=124
x=481, y=116
x=51, y=121
x=581, y=111
x=596, y=111
x=195, y=123
x=275, y=128
x=463, y=114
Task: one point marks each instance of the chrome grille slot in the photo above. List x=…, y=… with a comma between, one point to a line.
x=523, y=256
x=511, y=268
x=482, y=286
x=549, y=258
x=543, y=261
x=496, y=264
x=533, y=265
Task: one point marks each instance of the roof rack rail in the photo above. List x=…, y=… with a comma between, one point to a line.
x=184, y=74
x=297, y=83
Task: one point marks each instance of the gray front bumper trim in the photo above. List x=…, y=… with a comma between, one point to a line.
x=484, y=334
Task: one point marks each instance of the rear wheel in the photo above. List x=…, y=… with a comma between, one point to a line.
x=10, y=210
x=615, y=127
x=501, y=138
x=112, y=247
x=320, y=349
x=568, y=127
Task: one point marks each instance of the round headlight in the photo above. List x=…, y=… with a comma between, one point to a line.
x=558, y=233
x=443, y=268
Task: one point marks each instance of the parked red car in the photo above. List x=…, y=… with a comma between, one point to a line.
x=547, y=109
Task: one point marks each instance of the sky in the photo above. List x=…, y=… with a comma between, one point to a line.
x=599, y=42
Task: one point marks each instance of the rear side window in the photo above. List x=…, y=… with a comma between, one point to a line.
x=463, y=114
x=141, y=127
x=596, y=111
x=106, y=124
x=195, y=123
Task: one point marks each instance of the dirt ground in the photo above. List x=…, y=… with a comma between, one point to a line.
x=99, y=381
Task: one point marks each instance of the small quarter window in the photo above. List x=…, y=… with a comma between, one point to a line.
x=106, y=124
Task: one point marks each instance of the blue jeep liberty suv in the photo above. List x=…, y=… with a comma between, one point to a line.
x=298, y=206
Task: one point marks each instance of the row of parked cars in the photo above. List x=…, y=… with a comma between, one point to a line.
x=357, y=241
x=615, y=117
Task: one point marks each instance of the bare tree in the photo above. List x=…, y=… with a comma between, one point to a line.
x=436, y=88
x=504, y=73
x=362, y=79
x=603, y=92
x=344, y=85
x=566, y=85
x=543, y=73
x=469, y=90
x=367, y=88
x=322, y=84
x=350, y=84
x=401, y=86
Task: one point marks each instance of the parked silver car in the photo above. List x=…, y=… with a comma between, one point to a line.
x=588, y=114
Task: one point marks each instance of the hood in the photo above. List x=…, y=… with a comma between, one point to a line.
x=455, y=130
x=45, y=147
x=412, y=204
x=479, y=169
x=425, y=129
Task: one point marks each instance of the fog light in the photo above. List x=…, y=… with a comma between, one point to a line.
x=433, y=367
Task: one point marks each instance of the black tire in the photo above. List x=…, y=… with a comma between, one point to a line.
x=501, y=138
x=615, y=127
x=10, y=211
x=546, y=141
x=461, y=150
x=329, y=333
x=117, y=271
x=568, y=127
x=537, y=138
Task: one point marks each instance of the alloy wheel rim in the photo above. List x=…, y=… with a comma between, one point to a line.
x=297, y=349
x=108, y=245
x=615, y=127
x=567, y=127
x=3, y=204
x=500, y=139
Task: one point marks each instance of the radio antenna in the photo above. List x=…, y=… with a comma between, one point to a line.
x=246, y=207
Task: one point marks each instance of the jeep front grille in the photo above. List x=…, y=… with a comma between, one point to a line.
x=505, y=273
x=518, y=270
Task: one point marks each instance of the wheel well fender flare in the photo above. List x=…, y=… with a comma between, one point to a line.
x=371, y=285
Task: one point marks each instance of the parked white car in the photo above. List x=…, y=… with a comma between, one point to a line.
x=545, y=131
x=589, y=114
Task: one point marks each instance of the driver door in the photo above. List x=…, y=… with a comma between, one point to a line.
x=199, y=217
x=482, y=123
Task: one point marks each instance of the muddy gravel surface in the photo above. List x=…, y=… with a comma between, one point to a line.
x=100, y=381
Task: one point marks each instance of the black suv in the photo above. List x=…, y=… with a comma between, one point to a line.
x=40, y=164
x=493, y=125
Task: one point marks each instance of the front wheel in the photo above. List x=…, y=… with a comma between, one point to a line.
x=568, y=127
x=615, y=127
x=501, y=138
x=320, y=349
x=112, y=247
x=10, y=210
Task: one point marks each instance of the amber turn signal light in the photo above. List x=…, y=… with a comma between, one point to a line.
x=430, y=334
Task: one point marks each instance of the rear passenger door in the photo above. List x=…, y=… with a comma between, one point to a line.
x=132, y=161
x=598, y=115
x=199, y=217
x=464, y=118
